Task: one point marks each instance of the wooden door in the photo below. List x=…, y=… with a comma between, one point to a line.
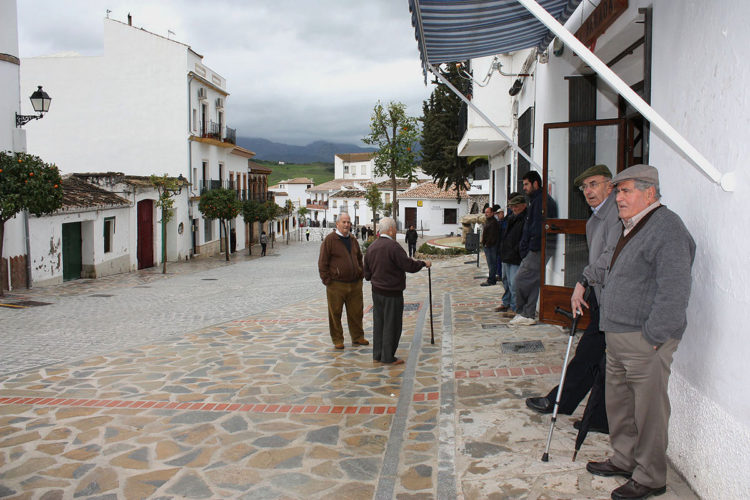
x=71, y=251
x=569, y=149
x=410, y=217
x=145, y=234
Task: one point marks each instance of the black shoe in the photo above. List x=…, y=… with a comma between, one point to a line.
x=540, y=405
x=635, y=491
x=487, y=283
x=607, y=469
x=592, y=428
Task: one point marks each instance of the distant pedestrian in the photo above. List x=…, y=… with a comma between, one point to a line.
x=307, y=234
x=490, y=240
x=411, y=240
x=386, y=265
x=263, y=243
x=340, y=268
x=232, y=240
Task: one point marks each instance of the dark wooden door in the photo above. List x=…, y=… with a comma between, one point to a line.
x=410, y=217
x=71, y=251
x=145, y=234
x=569, y=149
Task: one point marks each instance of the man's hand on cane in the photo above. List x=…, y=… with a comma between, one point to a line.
x=576, y=300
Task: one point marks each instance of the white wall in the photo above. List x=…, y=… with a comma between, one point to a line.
x=701, y=89
x=430, y=215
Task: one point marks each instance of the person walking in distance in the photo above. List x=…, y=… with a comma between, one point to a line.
x=340, y=268
x=263, y=243
x=411, y=240
x=490, y=240
x=386, y=265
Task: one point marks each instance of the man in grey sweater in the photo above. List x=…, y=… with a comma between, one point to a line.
x=644, y=298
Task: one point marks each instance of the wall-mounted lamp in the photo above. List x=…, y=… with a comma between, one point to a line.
x=516, y=88
x=40, y=101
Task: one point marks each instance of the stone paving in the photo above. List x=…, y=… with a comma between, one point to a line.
x=261, y=406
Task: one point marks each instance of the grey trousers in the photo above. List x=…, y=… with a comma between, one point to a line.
x=527, y=284
x=387, y=317
x=638, y=405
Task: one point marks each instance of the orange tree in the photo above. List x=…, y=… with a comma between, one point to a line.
x=26, y=183
x=252, y=212
x=220, y=204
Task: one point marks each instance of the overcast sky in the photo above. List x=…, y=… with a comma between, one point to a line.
x=297, y=70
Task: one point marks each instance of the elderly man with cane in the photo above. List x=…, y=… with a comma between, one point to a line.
x=385, y=266
x=644, y=299
x=602, y=232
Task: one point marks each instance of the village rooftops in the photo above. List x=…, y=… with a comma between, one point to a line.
x=356, y=157
x=108, y=178
x=79, y=194
x=349, y=194
x=431, y=191
x=400, y=184
x=258, y=169
x=297, y=180
x=339, y=184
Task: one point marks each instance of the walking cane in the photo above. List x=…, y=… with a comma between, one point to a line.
x=432, y=330
x=574, y=318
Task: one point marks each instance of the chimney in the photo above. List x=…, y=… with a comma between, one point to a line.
x=130, y=19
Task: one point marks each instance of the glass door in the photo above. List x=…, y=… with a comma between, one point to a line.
x=569, y=149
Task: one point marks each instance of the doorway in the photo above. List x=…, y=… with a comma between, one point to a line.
x=145, y=234
x=71, y=251
x=569, y=149
x=410, y=217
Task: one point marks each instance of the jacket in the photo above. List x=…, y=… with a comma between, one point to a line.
x=386, y=265
x=490, y=233
x=336, y=263
x=411, y=236
x=603, y=230
x=531, y=240
x=511, y=237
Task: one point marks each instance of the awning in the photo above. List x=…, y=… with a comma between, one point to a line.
x=454, y=31
x=457, y=30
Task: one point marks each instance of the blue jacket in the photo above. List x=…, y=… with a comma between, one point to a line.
x=531, y=239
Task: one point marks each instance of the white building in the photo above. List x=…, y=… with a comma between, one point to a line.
x=147, y=105
x=687, y=60
x=433, y=210
x=354, y=166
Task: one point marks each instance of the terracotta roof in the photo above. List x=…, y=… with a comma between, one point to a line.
x=143, y=181
x=356, y=156
x=337, y=184
x=430, y=190
x=260, y=169
x=400, y=184
x=78, y=193
x=240, y=151
x=297, y=180
x=348, y=194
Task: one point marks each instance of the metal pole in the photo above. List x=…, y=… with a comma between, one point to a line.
x=432, y=329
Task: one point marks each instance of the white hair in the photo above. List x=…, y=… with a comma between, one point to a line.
x=386, y=224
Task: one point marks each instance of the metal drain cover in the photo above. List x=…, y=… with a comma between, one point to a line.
x=101, y=295
x=209, y=279
x=25, y=303
x=497, y=325
x=411, y=306
x=522, y=347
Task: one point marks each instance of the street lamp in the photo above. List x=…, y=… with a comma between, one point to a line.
x=40, y=101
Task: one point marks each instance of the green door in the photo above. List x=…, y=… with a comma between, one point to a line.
x=71, y=251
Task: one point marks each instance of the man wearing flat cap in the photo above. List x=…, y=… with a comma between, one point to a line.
x=643, y=303
x=603, y=230
x=510, y=254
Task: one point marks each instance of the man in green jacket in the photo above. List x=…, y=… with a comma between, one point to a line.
x=340, y=268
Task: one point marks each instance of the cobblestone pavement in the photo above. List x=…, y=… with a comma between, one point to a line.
x=261, y=406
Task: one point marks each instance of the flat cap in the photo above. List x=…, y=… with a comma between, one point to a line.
x=591, y=171
x=638, y=172
x=516, y=200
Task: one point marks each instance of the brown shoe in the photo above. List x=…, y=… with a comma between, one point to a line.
x=632, y=490
x=338, y=346
x=501, y=308
x=362, y=341
x=606, y=469
x=396, y=361
x=509, y=314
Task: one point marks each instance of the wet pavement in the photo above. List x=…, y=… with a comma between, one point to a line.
x=261, y=406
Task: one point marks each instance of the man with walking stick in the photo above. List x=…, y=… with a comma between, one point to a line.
x=644, y=299
x=602, y=232
x=386, y=265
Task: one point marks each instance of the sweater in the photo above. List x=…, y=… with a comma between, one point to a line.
x=386, y=265
x=647, y=287
x=337, y=263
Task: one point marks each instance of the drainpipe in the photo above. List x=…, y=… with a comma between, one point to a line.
x=190, y=160
x=28, y=249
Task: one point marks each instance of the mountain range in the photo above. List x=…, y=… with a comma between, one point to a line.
x=318, y=151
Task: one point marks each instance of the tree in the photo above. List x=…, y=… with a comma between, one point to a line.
x=375, y=202
x=287, y=210
x=220, y=204
x=167, y=187
x=270, y=211
x=302, y=212
x=26, y=183
x=388, y=209
x=395, y=135
x=252, y=211
x=442, y=130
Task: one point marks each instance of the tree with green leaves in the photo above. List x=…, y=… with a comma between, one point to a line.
x=252, y=212
x=220, y=204
x=287, y=210
x=395, y=134
x=270, y=211
x=302, y=212
x=26, y=183
x=375, y=202
x=442, y=131
x=167, y=187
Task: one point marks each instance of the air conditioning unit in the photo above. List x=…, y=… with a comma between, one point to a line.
x=202, y=94
x=220, y=103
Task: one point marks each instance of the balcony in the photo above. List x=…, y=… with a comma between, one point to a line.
x=317, y=205
x=211, y=130
x=230, y=135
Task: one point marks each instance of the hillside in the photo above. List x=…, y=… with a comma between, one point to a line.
x=318, y=172
x=318, y=151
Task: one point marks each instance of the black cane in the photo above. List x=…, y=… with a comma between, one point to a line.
x=432, y=329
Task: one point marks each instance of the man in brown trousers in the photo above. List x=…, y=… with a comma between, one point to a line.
x=340, y=268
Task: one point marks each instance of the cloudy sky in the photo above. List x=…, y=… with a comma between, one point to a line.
x=297, y=70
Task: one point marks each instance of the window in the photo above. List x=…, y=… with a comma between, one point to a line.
x=387, y=198
x=195, y=119
x=207, y=230
x=334, y=205
x=449, y=216
x=109, y=233
x=346, y=168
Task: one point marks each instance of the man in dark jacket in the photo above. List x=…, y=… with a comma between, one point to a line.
x=340, y=268
x=510, y=254
x=490, y=240
x=411, y=240
x=386, y=265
